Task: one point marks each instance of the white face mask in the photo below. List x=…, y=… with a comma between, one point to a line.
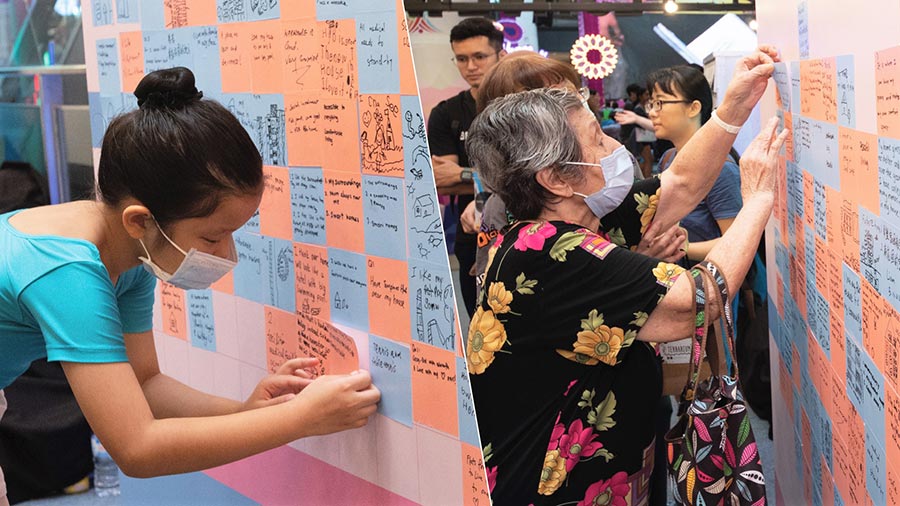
x=618, y=171
x=197, y=271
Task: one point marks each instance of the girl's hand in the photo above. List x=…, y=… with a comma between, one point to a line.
x=288, y=381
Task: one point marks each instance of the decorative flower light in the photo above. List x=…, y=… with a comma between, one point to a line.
x=594, y=56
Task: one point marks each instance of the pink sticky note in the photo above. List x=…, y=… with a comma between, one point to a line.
x=266, y=61
x=434, y=388
x=235, y=57
x=275, y=207
x=173, y=311
x=388, y=282
x=281, y=338
x=302, y=70
x=381, y=135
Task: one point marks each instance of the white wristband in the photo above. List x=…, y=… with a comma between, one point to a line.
x=725, y=126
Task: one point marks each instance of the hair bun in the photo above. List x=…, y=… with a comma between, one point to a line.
x=167, y=89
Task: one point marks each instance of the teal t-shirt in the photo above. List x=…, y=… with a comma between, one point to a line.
x=57, y=301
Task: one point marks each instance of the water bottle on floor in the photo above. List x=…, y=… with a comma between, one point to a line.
x=106, y=471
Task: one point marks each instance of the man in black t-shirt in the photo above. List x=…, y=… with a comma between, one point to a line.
x=477, y=46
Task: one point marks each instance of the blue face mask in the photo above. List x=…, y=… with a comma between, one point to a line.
x=618, y=171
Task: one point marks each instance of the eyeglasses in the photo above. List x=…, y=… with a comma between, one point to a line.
x=479, y=58
x=655, y=105
x=585, y=93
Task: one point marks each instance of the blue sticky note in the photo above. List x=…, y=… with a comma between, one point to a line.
x=855, y=382
x=468, y=426
x=783, y=84
x=180, y=47
x=803, y=28
x=808, y=396
x=781, y=259
x=376, y=52
x=207, y=68
x=872, y=413
x=108, y=66
x=98, y=120
x=156, y=51
x=876, y=477
x=809, y=243
x=423, y=214
x=819, y=152
x=846, y=91
x=838, y=500
x=815, y=473
x=308, y=205
x=252, y=225
x=102, y=12
x=870, y=231
x=232, y=11
x=153, y=16
x=822, y=433
x=431, y=294
x=349, y=289
x=266, y=115
x=251, y=273
x=389, y=364
x=260, y=10
x=889, y=179
x=128, y=11
x=282, y=292
x=342, y=9
x=889, y=261
x=384, y=222
x=795, y=87
x=820, y=324
x=852, y=305
x=794, y=193
x=103, y=108
x=820, y=208
x=201, y=323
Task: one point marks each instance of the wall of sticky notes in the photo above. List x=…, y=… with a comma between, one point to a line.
x=345, y=259
x=833, y=265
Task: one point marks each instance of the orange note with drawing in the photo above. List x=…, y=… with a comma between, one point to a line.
x=234, y=57
x=174, y=314
x=281, y=338
x=131, y=50
x=303, y=131
x=381, y=135
x=266, y=62
x=344, y=211
x=275, y=207
x=389, y=298
x=335, y=350
x=311, y=272
x=340, y=135
x=887, y=100
x=301, y=54
x=818, y=89
x=434, y=388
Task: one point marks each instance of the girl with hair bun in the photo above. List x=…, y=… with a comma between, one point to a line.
x=176, y=178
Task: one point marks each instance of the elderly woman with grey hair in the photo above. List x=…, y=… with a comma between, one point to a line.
x=564, y=379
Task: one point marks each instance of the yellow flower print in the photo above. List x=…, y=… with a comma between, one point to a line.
x=553, y=473
x=499, y=298
x=666, y=273
x=647, y=209
x=599, y=345
x=486, y=336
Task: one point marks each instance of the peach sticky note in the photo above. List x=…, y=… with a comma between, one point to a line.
x=892, y=347
x=381, y=135
x=281, y=337
x=338, y=58
x=887, y=100
x=476, y=490
x=234, y=57
x=859, y=167
x=131, y=50
x=303, y=132
x=848, y=443
x=893, y=483
x=301, y=53
x=179, y=13
x=434, y=388
x=298, y=9
x=876, y=314
x=892, y=425
x=265, y=57
x=275, y=207
x=225, y=284
x=344, y=211
x=818, y=89
x=311, y=271
x=389, y=298
x=335, y=349
x=339, y=125
x=789, y=142
x=809, y=201
x=173, y=311
x=833, y=218
x=404, y=54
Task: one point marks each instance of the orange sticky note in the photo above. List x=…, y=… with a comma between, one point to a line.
x=339, y=125
x=891, y=346
x=381, y=135
x=789, y=142
x=266, y=61
x=234, y=57
x=275, y=207
x=893, y=483
x=301, y=53
x=311, y=271
x=404, y=54
x=173, y=311
x=344, y=211
x=336, y=350
x=876, y=314
x=887, y=100
x=180, y=13
x=338, y=61
x=798, y=371
x=476, y=490
x=434, y=388
x=850, y=234
x=809, y=202
x=805, y=437
x=281, y=337
x=859, y=168
x=131, y=50
x=297, y=9
x=225, y=284
x=821, y=274
x=784, y=386
x=303, y=133
x=891, y=425
x=389, y=298
x=848, y=444
x=779, y=282
x=818, y=89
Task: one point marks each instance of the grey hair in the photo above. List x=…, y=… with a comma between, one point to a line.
x=520, y=134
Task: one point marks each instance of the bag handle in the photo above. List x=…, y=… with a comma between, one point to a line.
x=726, y=318
x=698, y=343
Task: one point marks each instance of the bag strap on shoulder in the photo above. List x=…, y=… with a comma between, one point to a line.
x=726, y=319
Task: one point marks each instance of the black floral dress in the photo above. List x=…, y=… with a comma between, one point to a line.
x=565, y=395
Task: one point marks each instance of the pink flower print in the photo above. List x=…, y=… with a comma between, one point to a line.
x=571, y=383
x=577, y=443
x=558, y=431
x=498, y=240
x=534, y=236
x=611, y=492
x=492, y=478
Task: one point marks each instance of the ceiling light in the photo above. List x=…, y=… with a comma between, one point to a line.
x=670, y=7
x=753, y=24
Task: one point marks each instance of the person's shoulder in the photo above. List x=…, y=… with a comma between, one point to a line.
x=451, y=103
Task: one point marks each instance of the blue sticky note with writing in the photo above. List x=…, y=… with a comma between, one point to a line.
x=809, y=244
x=282, y=292
x=103, y=108
x=232, y=11
x=889, y=262
x=820, y=324
x=251, y=277
x=308, y=205
x=803, y=28
x=153, y=16
x=870, y=231
x=425, y=237
x=252, y=225
x=795, y=86
x=838, y=500
x=822, y=432
x=855, y=383
x=389, y=365
x=846, y=91
x=383, y=217
x=342, y=9
x=102, y=12
x=128, y=11
x=468, y=426
x=376, y=52
x=98, y=120
x=431, y=295
x=852, y=304
x=876, y=477
x=819, y=152
x=820, y=208
x=889, y=179
x=266, y=127
x=782, y=79
x=264, y=9
x=815, y=474
x=180, y=47
x=156, y=51
x=207, y=68
x=349, y=289
x=872, y=413
x=201, y=323
x=794, y=193
x=108, y=66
